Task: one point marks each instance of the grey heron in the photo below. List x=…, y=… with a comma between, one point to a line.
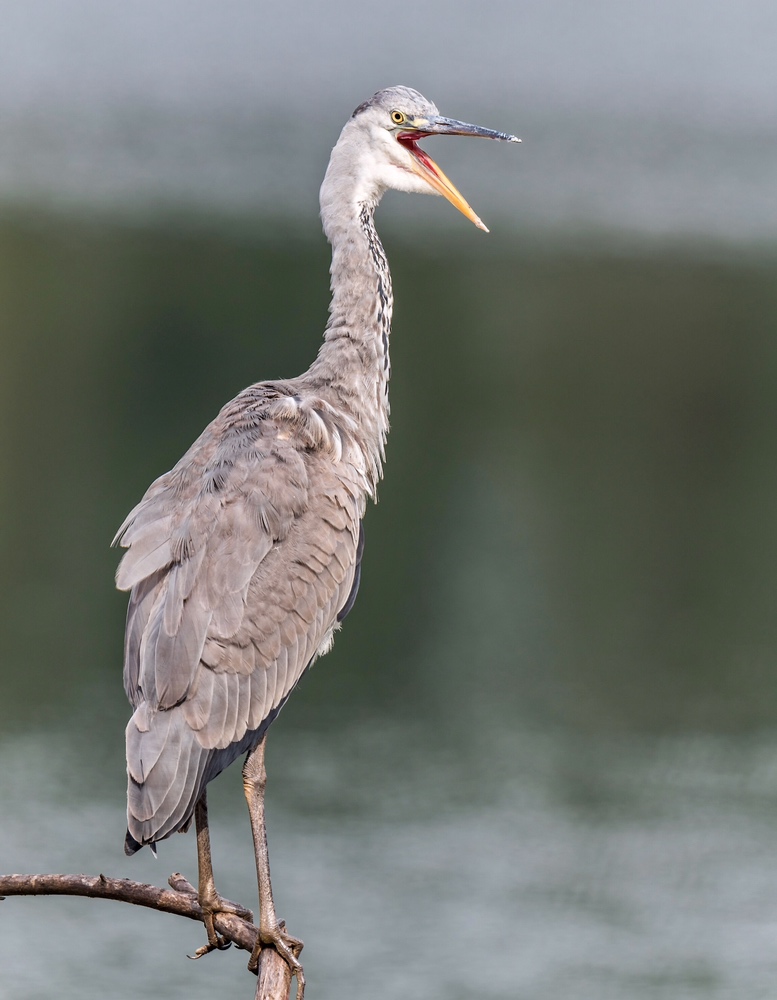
x=243, y=560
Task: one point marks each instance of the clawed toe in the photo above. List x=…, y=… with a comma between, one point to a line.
x=227, y=906
x=220, y=944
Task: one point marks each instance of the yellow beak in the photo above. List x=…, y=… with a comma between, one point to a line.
x=424, y=165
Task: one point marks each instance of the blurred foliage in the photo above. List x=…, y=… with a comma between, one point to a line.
x=578, y=521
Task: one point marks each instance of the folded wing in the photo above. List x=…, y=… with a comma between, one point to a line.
x=239, y=561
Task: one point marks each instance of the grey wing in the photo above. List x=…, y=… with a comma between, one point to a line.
x=239, y=562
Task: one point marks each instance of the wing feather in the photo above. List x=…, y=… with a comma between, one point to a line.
x=237, y=659
x=181, y=581
x=228, y=613
x=142, y=600
x=287, y=629
x=150, y=553
x=197, y=707
x=232, y=683
x=177, y=806
x=269, y=644
x=260, y=708
x=175, y=656
x=243, y=702
x=211, y=733
x=284, y=666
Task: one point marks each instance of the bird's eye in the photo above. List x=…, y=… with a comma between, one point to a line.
x=398, y=118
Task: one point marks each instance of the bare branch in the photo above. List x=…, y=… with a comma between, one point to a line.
x=274, y=975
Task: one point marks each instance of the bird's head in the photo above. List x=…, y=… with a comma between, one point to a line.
x=378, y=148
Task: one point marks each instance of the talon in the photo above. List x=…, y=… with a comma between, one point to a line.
x=220, y=944
x=204, y=949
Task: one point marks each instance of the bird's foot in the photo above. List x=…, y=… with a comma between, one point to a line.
x=288, y=948
x=211, y=903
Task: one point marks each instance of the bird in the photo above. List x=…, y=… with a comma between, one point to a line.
x=244, y=559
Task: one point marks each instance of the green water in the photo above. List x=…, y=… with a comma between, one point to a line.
x=548, y=727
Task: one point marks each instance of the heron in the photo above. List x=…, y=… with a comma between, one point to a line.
x=244, y=559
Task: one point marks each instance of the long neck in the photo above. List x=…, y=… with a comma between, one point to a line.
x=353, y=362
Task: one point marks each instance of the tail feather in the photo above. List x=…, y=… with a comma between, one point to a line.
x=168, y=769
x=166, y=766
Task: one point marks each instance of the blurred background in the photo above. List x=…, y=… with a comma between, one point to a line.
x=541, y=761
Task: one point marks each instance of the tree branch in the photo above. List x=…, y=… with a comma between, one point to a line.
x=273, y=974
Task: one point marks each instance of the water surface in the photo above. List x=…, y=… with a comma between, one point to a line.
x=542, y=754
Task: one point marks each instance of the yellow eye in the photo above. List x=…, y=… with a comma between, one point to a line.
x=398, y=118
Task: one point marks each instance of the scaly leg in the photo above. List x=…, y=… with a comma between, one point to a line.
x=209, y=899
x=271, y=930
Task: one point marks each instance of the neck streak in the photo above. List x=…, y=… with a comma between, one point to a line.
x=352, y=368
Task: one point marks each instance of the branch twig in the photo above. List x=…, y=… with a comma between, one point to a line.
x=274, y=975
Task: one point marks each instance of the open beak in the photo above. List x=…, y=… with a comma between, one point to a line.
x=424, y=165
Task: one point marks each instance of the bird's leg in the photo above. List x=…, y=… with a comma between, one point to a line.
x=271, y=930
x=210, y=901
